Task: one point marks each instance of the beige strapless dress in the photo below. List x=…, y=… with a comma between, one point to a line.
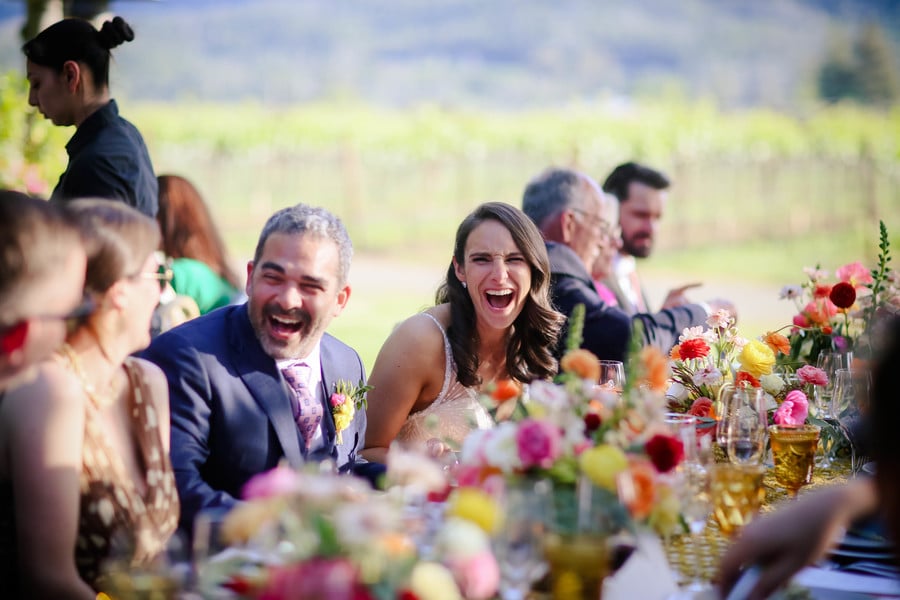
x=453, y=414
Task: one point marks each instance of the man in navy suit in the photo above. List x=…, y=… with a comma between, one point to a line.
x=568, y=208
x=233, y=374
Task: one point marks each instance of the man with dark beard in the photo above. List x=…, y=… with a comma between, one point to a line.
x=642, y=193
x=250, y=385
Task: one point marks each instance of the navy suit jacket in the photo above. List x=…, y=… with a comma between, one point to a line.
x=231, y=410
x=607, y=329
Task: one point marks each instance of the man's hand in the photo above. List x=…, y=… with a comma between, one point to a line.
x=676, y=296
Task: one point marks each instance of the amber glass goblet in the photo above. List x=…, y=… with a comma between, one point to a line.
x=794, y=452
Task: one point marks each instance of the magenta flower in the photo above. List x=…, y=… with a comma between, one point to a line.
x=539, y=443
x=813, y=375
x=338, y=399
x=793, y=410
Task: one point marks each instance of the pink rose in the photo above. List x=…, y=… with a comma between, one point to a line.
x=800, y=320
x=338, y=399
x=813, y=375
x=478, y=575
x=276, y=482
x=538, y=442
x=793, y=410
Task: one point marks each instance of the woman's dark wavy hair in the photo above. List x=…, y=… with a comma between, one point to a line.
x=529, y=354
x=77, y=40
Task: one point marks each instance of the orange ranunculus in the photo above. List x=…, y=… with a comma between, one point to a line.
x=656, y=368
x=506, y=389
x=745, y=379
x=637, y=487
x=581, y=362
x=675, y=352
x=777, y=342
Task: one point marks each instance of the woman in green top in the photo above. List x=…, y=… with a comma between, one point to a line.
x=189, y=237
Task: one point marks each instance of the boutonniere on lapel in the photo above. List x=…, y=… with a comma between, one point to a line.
x=345, y=401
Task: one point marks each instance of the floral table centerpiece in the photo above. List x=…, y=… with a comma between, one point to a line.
x=315, y=535
x=582, y=438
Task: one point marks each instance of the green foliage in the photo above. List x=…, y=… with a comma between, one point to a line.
x=28, y=160
x=869, y=74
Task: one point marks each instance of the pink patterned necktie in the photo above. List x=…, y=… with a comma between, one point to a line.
x=307, y=412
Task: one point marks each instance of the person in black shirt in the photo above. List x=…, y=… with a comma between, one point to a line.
x=68, y=73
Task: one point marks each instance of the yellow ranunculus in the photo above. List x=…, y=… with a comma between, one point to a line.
x=757, y=358
x=433, y=581
x=602, y=464
x=476, y=506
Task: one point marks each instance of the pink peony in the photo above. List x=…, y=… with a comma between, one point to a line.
x=538, y=442
x=793, y=410
x=478, y=575
x=813, y=375
x=276, y=482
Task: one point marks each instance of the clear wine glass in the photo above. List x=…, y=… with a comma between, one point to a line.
x=696, y=506
x=831, y=361
x=849, y=403
x=518, y=545
x=612, y=375
x=745, y=426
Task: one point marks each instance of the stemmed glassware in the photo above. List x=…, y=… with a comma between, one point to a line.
x=745, y=424
x=518, y=545
x=848, y=404
x=611, y=381
x=696, y=504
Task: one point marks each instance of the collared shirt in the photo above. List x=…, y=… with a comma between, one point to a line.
x=314, y=361
x=625, y=270
x=108, y=159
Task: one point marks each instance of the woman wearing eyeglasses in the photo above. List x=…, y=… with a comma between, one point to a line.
x=86, y=448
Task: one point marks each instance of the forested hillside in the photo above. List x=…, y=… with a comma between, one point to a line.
x=497, y=54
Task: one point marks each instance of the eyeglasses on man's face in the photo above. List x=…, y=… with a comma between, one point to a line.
x=71, y=319
x=606, y=229
x=163, y=274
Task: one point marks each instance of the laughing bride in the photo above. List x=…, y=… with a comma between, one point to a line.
x=493, y=321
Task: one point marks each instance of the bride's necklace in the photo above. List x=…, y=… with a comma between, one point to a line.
x=99, y=399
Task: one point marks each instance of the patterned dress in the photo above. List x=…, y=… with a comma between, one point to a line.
x=116, y=521
x=453, y=414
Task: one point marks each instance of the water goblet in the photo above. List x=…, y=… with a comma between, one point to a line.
x=736, y=492
x=831, y=361
x=794, y=453
x=518, y=545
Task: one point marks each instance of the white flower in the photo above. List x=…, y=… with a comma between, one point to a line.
x=552, y=396
x=501, y=449
x=460, y=538
x=815, y=274
x=721, y=318
x=771, y=383
x=414, y=470
x=677, y=391
x=690, y=333
x=790, y=292
x=710, y=376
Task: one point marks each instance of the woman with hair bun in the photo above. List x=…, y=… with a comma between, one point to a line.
x=68, y=74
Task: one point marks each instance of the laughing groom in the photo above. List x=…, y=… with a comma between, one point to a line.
x=249, y=384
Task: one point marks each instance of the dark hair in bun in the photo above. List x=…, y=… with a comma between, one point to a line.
x=76, y=39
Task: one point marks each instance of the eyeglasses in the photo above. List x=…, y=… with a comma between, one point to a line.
x=163, y=274
x=72, y=319
x=612, y=232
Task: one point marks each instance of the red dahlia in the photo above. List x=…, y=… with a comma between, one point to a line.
x=842, y=295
